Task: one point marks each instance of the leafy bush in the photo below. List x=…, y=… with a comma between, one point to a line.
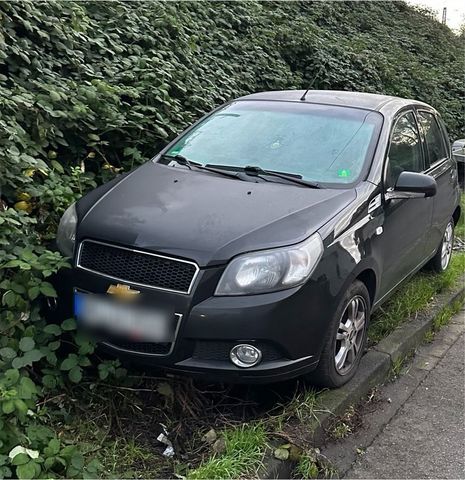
x=90, y=89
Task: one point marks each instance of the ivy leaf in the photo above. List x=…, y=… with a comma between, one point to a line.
x=84, y=361
x=69, y=324
x=33, y=292
x=7, y=353
x=47, y=289
x=86, y=348
x=57, y=166
x=49, y=381
x=27, y=359
x=77, y=461
x=18, y=288
x=20, y=406
x=52, y=329
x=8, y=406
x=9, y=298
x=55, y=96
x=70, y=362
x=54, y=345
x=26, y=344
x=103, y=371
x=53, y=447
x=39, y=433
x=27, y=388
x=52, y=358
x=26, y=471
x=75, y=374
x=18, y=455
x=11, y=377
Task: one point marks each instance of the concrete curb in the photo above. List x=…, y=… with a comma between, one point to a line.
x=374, y=369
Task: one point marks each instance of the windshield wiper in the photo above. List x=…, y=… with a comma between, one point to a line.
x=255, y=171
x=181, y=160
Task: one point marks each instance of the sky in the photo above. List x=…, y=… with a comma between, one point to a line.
x=455, y=10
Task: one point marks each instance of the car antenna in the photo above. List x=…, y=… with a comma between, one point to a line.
x=302, y=98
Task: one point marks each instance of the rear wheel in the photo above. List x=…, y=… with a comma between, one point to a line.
x=441, y=259
x=345, y=340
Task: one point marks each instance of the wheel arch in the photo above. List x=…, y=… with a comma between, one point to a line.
x=368, y=278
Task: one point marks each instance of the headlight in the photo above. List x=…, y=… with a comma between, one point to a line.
x=66, y=234
x=271, y=270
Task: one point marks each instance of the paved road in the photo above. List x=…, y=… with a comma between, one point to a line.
x=425, y=438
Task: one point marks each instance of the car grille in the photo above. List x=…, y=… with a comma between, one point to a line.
x=134, y=266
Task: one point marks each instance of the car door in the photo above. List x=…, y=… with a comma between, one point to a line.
x=407, y=221
x=442, y=167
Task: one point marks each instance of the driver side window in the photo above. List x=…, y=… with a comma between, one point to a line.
x=405, y=150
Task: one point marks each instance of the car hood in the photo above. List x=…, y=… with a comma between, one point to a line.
x=206, y=217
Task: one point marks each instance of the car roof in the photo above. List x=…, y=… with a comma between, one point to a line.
x=368, y=101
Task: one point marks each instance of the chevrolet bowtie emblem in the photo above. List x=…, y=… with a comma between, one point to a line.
x=124, y=292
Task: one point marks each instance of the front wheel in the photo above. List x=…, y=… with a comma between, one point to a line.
x=441, y=259
x=345, y=341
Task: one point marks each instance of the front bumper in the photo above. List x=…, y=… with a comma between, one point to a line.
x=289, y=327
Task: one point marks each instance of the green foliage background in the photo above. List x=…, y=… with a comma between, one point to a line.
x=89, y=89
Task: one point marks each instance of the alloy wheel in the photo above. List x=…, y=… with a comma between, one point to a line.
x=350, y=335
x=446, y=248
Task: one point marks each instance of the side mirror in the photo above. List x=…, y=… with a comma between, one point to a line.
x=413, y=184
x=458, y=150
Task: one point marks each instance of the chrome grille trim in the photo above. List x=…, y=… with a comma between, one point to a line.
x=189, y=290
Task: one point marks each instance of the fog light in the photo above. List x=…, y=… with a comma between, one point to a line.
x=245, y=355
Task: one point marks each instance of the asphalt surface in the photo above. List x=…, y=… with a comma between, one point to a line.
x=413, y=426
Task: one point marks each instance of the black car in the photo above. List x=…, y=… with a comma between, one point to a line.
x=255, y=246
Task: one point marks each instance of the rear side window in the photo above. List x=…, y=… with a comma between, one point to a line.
x=405, y=152
x=433, y=137
x=445, y=134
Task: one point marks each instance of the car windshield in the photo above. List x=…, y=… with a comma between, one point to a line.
x=322, y=143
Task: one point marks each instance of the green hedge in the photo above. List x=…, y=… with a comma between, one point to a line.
x=108, y=83
x=88, y=89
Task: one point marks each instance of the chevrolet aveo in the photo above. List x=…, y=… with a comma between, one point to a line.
x=255, y=246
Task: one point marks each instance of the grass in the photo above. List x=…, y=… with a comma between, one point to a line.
x=444, y=317
x=400, y=366
x=124, y=458
x=304, y=406
x=341, y=430
x=413, y=297
x=313, y=465
x=344, y=426
x=244, y=449
x=95, y=422
x=429, y=336
x=307, y=467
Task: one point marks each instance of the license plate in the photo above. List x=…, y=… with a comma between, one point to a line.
x=98, y=313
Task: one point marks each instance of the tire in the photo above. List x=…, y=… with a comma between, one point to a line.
x=441, y=259
x=327, y=374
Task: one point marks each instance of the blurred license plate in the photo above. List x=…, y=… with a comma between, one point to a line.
x=121, y=319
